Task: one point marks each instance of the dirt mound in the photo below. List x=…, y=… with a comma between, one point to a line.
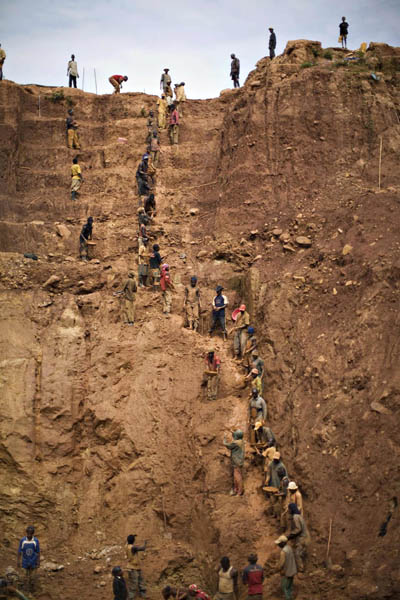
x=104, y=428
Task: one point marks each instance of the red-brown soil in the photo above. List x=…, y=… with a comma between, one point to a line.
x=104, y=428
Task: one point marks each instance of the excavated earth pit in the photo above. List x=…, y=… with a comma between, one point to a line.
x=104, y=428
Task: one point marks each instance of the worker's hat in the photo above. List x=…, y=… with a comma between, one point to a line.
x=255, y=353
x=281, y=539
x=211, y=350
x=242, y=307
x=140, y=209
x=166, y=69
x=193, y=587
x=219, y=288
x=277, y=456
x=254, y=371
x=292, y=485
x=258, y=425
x=250, y=329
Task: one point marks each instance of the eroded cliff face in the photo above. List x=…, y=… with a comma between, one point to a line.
x=104, y=428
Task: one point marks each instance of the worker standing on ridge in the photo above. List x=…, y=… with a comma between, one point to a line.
x=237, y=448
x=2, y=59
x=219, y=303
x=191, y=304
x=344, y=30
x=29, y=551
x=116, y=82
x=129, y=290
x=135, y=578
x=72, y=133
x=272, y=43
x=286, y=566
x=211, y=374
x=167, y=287
x=173, y=125
x=227, y=581
x=253, y=577
x=240, y=332
x=180, y=97
x=72, y=71
x=162, y=112
x=298, y=531
x=154, y=264
x=165, y=80
x=76, y=178
x=235, y=71
x=85, y=236
x=120, y=590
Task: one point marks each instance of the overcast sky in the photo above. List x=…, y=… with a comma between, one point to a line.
x=194, y=38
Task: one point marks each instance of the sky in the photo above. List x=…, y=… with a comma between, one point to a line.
x=194, y=39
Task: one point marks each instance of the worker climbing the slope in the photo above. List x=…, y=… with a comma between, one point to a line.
x=165, y=81
x=237, y=448
x=286, y=566
x=343, y=31
x=29, y=556
x=191, y=304
x=293, y=496
x=143, y=266
x=174, y=125
x=227, y=581
x=150, y=206
x=76, y=178
x=85, y=235
x=142, y=176
x=155, y=148
x=72, y=131
x=120, y=589
x=219, y=303
x=254, y=380
x=272, y=43
x=180, y=97
x=251, y=344
x=211, y=374
x=72, y=71
x=162, y=112
x=155, y=261
x=235, y=71
x=257, y=412
x=240, y=332
x=257, y=363
x=167, y=287
x=116, y=82
x=298, y=532
x=275, y=475
x=2, y=59
x=253, y=577
x=263, y=435
x=134, y=567
x=129, y=291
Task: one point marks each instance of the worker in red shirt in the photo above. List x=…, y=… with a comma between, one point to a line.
x=167, y=287
x=253, y=577
x=173, y=125
x=116, y=81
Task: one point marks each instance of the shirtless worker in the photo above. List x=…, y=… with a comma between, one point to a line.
x=191, y=304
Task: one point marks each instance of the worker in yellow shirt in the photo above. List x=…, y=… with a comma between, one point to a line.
x=2, y=59
x=180, y=97
x=76, y=175
x=162, y=112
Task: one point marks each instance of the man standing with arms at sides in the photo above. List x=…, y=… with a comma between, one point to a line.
x=219, y=303
x=235, y=71
x=253, y=577
x=29, y=550
x=272, y=43
x=72, y=71
x=191, y=303
x=237, y=448
x=174, y=125
x=344, y=30
x=76, y=178
x=227, y=581
x=2, y=59
x=165, y=81
x=129, y=290
x=85, y=235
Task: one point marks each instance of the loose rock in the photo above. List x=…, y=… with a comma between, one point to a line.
x=303, y=241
